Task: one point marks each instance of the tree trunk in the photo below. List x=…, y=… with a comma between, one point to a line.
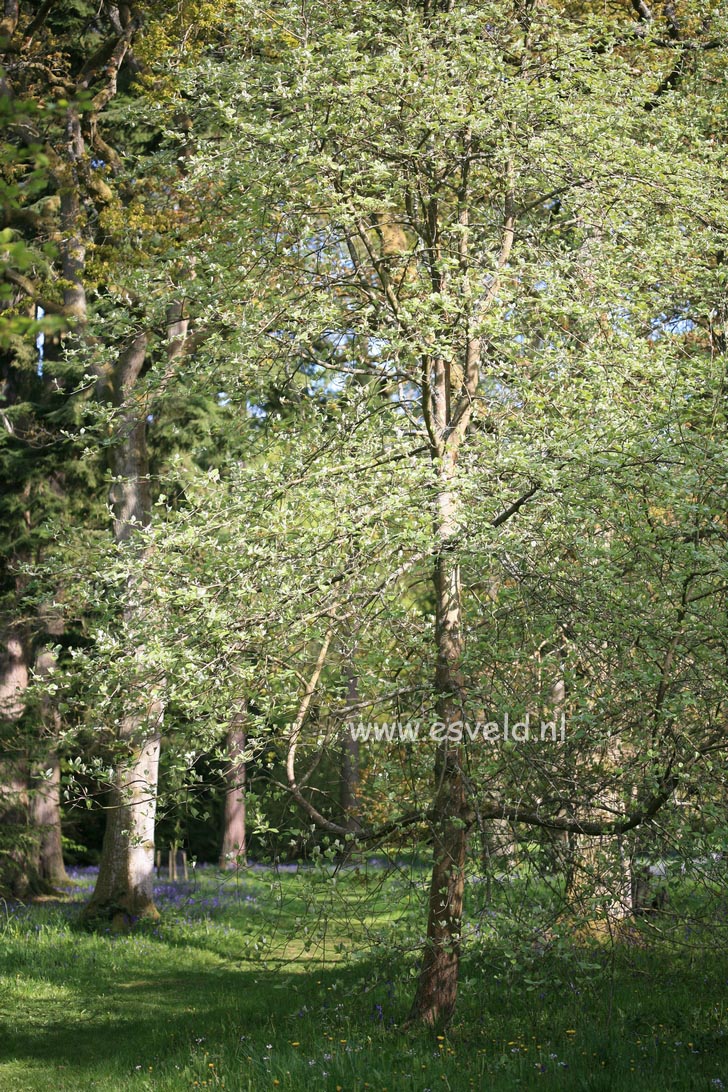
x=448, y=390
x=124, y=889
x=233, y=850
x=16, y=851
x=349, y=757
x=436, y=993
x=45, y=818
x=45, y=798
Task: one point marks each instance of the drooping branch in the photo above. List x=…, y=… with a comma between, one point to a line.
x=590, y=827
x=294, y=737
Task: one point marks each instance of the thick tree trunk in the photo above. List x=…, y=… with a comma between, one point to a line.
x=124, y=889
x=45, y=818
x=18, y=847
x=17, y=867
x=23, y=837
x=30, y=803
x=437, y=986
x=13, y=677
x=45, y=799
x=233, y=850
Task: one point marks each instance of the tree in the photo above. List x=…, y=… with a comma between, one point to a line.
x=69, y=200
x=451, y=203
x=447, y=274
x=233, y=849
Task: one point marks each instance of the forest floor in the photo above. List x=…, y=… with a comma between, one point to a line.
x=275, y=980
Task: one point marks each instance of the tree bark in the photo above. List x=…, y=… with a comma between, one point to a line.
x=15, y=873
x=436, y=994
x=124, y=889
x=45, y=819
x=233, y=850
x=448, y=394
x=45, y=785
x=349, y=758
x=22, y=842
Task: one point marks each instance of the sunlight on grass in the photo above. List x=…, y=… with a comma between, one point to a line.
x=271, y=982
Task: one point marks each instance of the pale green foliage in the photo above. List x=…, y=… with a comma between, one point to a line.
x=353, y=168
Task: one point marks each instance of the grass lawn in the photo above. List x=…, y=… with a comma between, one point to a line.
x=293, y=981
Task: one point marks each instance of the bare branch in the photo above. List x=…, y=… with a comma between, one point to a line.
x=511, y=510
x=295, y=735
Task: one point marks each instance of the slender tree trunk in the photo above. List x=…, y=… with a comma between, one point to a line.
x=437, y=986
x=233, y=850
x=349, y=756
x=602, y=887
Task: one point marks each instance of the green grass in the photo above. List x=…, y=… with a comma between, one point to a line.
x=289, y=982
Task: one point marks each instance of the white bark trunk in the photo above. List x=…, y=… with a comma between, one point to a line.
x=124, y=890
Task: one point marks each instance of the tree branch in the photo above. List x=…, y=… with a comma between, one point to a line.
x=295, y=735
x=511, y=510
x=26, y=285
